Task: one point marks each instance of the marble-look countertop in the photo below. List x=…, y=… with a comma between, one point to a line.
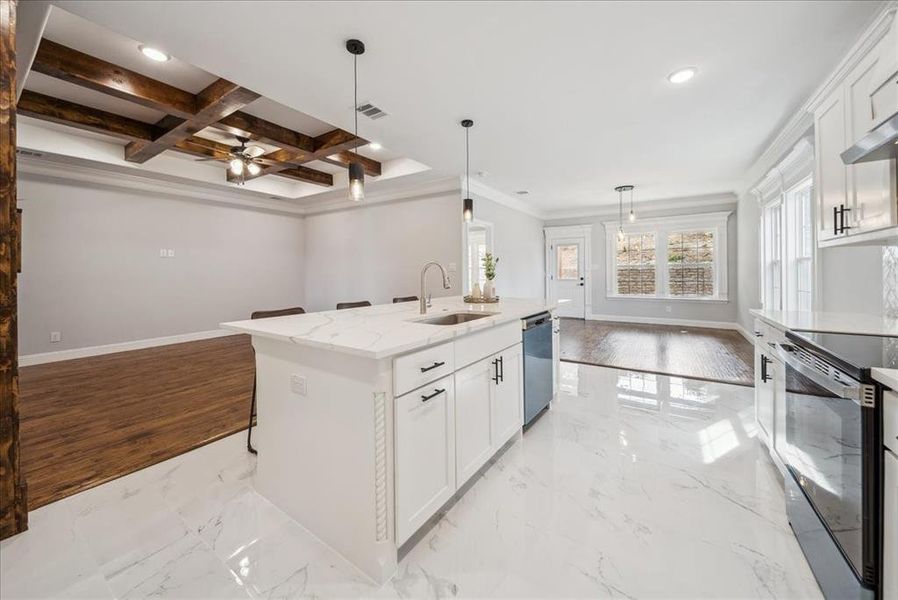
x=386, y=330
x=828, y=322
x=887, y=377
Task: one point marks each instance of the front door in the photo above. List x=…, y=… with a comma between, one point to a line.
x=567, y=279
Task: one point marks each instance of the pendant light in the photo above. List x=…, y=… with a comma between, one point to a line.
x=620, y=208
x=356, y=171
x=468, y=202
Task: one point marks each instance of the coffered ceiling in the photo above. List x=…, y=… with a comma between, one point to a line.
x=569, y=99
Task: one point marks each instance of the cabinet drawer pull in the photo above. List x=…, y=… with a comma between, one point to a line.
x=501, y=368
x=495, y=378
x=835, y=220
x=435, y=393
x=431, y=367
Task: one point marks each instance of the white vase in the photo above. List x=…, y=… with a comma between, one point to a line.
x=475, y=291
x=488, y=290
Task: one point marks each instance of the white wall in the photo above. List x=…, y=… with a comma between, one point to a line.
x=518, y=242
x=643, y=308
x=376, y=251
x=91, y=267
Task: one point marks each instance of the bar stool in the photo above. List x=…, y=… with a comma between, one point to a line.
x=361, y=303
x=264, y=314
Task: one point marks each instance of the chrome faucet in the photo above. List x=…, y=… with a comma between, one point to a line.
x=423, y=296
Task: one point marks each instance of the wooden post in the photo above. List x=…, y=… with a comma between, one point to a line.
x=13, y=506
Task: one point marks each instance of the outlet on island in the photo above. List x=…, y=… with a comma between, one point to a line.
x=298, y=384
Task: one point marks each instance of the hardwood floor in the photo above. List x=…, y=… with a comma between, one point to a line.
x=693, y=352
x=90, y=420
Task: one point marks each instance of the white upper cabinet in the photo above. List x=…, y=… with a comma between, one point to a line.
x=831, y=175
x=857, y=203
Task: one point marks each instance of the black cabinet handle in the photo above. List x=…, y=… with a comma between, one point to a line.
x=495, y=378
x=431, y=367
x=501, y=368
x=835, y=220
x=764, y=375
x=842, y=212
x=435, y=393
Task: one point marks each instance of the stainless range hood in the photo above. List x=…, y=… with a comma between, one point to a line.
x=880, y=144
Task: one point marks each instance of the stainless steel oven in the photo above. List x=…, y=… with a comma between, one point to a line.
x=829, y=437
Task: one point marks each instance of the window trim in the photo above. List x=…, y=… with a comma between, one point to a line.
x=662, y=227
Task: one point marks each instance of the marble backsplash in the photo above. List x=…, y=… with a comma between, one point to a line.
x=890, y=281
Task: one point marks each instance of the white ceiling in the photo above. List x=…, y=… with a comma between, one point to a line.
x=569, y=98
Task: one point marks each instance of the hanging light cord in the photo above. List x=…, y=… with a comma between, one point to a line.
x=355, y=95
x=467, y=161
x=620, y=209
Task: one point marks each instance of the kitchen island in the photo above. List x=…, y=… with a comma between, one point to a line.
x=371, y=419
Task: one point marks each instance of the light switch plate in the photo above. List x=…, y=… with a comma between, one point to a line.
x=55, y=336
x=298, y=384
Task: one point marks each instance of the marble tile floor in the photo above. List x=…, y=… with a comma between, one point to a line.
x=633, y=486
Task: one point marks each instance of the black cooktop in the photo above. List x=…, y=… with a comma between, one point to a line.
x=854, y=354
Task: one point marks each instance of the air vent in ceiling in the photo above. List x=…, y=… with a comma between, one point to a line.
x=24, y=152
x=371, y=111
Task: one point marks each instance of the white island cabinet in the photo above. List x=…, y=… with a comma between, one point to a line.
x=370, y=420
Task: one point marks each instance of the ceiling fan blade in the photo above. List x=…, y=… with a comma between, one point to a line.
x=266, y=162
x=203, y=159
x=254, y=151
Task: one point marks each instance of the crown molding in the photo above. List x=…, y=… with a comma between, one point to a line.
x=69, y=170
x=484, y=191
x=795, y=166
x=802, y=119
x=682, y=203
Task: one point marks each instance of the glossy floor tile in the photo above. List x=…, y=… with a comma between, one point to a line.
x=633, y=485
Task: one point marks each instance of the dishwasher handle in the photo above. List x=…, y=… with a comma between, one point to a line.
x=537, y=320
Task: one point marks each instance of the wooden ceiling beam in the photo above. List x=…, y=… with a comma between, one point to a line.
x=218, y=100
x=86, y=118
x=260, y=130
x=82, y=69
x=342, y=159
x=82, y=117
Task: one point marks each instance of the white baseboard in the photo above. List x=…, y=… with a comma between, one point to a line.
x=663, y=321
x=745, y=333
x=48, y=357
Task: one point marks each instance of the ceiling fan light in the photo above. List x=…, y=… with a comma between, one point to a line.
x=356, y=182
x=253, y=168
x=236, y=166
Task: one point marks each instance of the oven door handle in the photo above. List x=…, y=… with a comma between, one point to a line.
x=849, y=392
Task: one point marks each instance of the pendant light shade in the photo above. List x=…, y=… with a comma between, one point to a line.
x=356, y=181
x=620, y=208
x=356, y=171
x=468, y=202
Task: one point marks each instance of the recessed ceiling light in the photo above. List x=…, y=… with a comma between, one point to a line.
x=374, y=146
x=682, y=75
x=153, y=53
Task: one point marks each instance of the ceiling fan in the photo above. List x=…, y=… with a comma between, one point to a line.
x=244, y=159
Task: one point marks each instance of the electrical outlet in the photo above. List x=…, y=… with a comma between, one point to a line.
x=453, y=267
x=162, y=253
x=171, y=253
x=667, y=308
x=55, y=336
x=298, y=385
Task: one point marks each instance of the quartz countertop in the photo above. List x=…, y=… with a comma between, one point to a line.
x=386, y=330
x=828, y=322
x=887, y=377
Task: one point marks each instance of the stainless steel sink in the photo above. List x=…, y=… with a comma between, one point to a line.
x=455, y=319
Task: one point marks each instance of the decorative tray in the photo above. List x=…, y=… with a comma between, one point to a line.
x=473, y=300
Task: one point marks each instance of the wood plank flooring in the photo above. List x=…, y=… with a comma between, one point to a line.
x=694, y=352
x=90, y=420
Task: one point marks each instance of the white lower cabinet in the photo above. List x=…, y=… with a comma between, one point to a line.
x=425, y=454
x=890, y=528
x=448, y=429
x=473, y=424
x=508, y=394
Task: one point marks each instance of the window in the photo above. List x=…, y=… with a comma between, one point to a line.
x=787, y=256
x=674, y=258
x=799, y=249
x=478, y=241
x=690, y=264
x=636, y=264
x=568, y=261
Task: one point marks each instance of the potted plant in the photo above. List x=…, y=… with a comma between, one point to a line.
x=489, y=271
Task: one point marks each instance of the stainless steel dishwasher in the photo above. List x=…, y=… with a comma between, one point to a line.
x=538, y=384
